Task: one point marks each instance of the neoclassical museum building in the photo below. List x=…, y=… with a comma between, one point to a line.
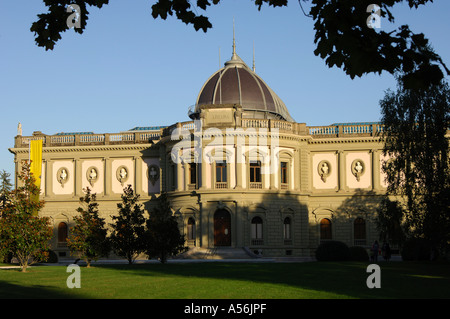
x=241, y=175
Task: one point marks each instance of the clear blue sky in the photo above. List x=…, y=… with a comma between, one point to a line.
x=128, y=69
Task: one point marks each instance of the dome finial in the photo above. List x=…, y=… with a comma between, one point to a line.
x=235, y=59
x=254, y=57
x=234, y=43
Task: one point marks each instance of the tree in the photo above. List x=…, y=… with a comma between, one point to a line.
x=5, y=182
x=127, y=237
x=163, y=236
x=88, y=236
x=5, y=187
x=347, y=38
x=390, y=223
x=342, y=33
x=23, y=233
x=416, y=123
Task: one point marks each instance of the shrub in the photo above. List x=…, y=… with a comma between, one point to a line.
x=416, y=249
x=332, y=251
x=358, y=253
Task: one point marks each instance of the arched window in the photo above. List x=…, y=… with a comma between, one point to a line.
x=287, y=231
x=191, y=229
x=325, y=229
x=359, y=231
x=62, y=234
x=257, y=231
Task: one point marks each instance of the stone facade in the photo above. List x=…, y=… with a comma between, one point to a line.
x=287, y=215
x=236, y=176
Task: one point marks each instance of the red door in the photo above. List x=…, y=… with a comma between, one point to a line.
x=222, y=228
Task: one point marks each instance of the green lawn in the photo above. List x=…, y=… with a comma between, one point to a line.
x=312, y=280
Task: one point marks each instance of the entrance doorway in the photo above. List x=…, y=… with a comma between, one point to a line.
x=222, y=228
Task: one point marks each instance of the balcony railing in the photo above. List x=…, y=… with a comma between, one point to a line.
x=89, y=139
x=221, y=185
x=255, y=185
x=350, y=129
x=137, y=137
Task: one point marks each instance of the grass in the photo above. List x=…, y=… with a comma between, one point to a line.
x=312, y=280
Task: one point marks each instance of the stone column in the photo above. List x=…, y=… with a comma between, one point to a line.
x=179, y=175
x=203, y=172
x=228, y=174
x=187, y=177
x=213, y=164
x=274, y=163
x=238, y=166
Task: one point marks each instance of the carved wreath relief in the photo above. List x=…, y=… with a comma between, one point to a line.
x=92, y=175
x=62, y=176
x=324, y=170
x=122, y=174
x=358, y=168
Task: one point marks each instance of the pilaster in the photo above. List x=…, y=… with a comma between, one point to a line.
x=108, y=176
x=138, y=175
x=376, y=170
x=77, y=187
x=342, y=179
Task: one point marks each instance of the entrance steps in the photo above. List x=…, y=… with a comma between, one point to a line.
x=215, y=253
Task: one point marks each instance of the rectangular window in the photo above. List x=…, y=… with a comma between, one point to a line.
x=257, y=231
x=192, y=173
x=255, y=172
x=221, y=172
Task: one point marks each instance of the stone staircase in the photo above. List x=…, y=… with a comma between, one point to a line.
x=215, y=253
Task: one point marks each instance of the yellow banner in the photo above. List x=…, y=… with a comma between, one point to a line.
x=36, y=160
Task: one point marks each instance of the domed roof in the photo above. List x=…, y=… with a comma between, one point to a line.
x=236, y=83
